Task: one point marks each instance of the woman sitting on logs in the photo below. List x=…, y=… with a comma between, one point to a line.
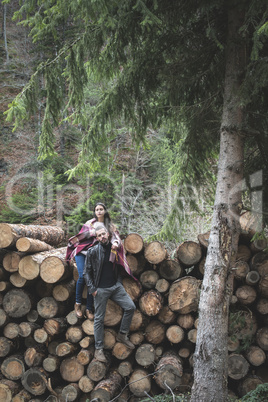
x=78, y=246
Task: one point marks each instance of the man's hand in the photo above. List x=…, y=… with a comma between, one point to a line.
x=94, y=294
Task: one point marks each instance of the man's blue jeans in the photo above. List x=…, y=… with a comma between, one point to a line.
x=80, y=262
x=118, y=294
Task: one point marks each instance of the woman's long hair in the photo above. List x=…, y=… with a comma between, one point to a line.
x=107, y=220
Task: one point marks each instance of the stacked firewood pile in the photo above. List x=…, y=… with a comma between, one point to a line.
x=47, y=353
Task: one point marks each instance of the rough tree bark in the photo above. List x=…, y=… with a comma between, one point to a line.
x=211, y=354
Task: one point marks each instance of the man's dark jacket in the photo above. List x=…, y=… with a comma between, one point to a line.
x=93, y=267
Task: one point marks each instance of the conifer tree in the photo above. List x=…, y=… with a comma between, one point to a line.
x=199, y=67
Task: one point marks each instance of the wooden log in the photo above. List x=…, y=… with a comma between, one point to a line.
x=201, y=267
x=237, y=366
x=86, y=341
x=86, y=384
x=155, y=252
x=149, y=278
x=34, y=356
x=192, y=334
x=133, y=243
x=169, y=371
x=262, y=306
x=56, y=326
x=11, y=261
x=71, y=392
x=108, y=388
x=263, y=286
x=162, y=285
x=137, y=338
x=10, y=233
x=255, y=355
x=136, y=263
x=109, y=338
x=54, y=267
x=145, y=355
x=262, y=338
x=184, y=295
x=7, y=346
x=31, y=246
x=175, y=334
x=72, y=318
x=51, y=363
x=151, y=302
x=121, y=351
x=22, y=396
x=48, y=307
x=125, y=368
x=252, y=278
x=85, y=356
x=248, y=223
x=242, y=324
x=248, y=384
x=97, y=370
x=203, y=239
x=74, y=334
x=88, y=327
x=18, y=281
x=11, y=330
x=185, y=321
x=139, y=382
x=4, y=318
x=155, y=332
x=132, y=287
x=8, y=389
x=65, y=349
x=17, y=303
x=166, y=316
x=243, y=253
x=113, y=314
x=63, y=291
x=35, y=380
x=33, y=316
x=4, y=286
x=189, y=253
x=233, y=344
x=40, y=335
x=71, y=370
x=258, y=245
x=246, y=294
x=139, y=320
x=240, y=269
x=170, y=269
x=13, y=367
x=30, y=265
x=184, y=353
x=259, y=262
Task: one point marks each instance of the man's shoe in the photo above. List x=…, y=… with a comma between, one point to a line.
x=122, y=338
x=78, y=311
x=99, y=355
x=89, y=315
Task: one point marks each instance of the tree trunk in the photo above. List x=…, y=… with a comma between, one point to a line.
x=211, y=354
x=10, y=233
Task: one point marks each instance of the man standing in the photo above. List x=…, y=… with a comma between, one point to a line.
x=103, y=283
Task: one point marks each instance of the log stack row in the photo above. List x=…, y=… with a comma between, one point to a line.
x=47, y=353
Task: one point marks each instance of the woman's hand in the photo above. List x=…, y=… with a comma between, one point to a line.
x=115, y=246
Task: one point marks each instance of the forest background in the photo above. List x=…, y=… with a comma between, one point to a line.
x=141, y=183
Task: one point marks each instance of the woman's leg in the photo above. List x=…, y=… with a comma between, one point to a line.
x=80, y=261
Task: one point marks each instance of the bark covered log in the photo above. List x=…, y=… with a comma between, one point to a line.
x=10, y=233
x=108, y=388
